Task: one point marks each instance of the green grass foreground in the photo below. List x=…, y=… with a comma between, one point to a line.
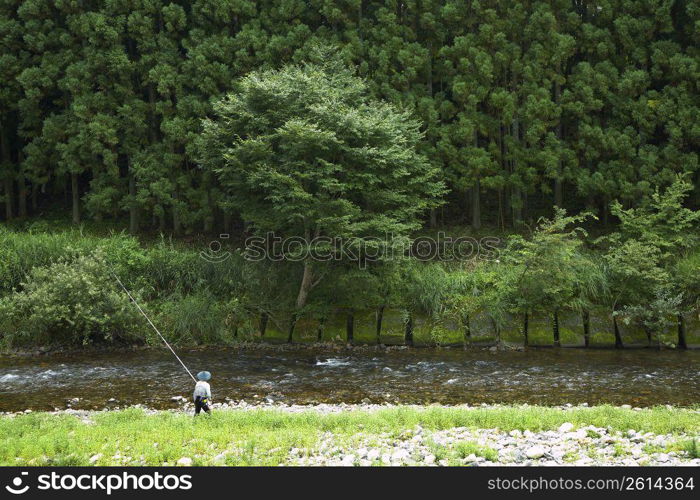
x=265, y=436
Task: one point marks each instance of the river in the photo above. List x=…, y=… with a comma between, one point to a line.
x=639, y=377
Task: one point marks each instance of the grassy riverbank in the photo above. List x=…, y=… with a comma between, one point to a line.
x=405, y=435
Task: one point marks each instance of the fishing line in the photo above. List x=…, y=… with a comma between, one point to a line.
x=151, y=323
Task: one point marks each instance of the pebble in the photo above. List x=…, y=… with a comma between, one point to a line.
x=566, y=427
x=400, y=455
x=535, y=452
x=184, y=462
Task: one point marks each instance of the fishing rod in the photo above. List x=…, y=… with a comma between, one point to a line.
x=152, y=325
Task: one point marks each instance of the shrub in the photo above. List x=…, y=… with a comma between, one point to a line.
x=68, y=302
x=22, y=252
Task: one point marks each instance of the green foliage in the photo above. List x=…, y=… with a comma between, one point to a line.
x=692, y=448
x=686, y=276
x=303, y=151
x=522, y=106
x=550, y=270
x=199, y=301
x=424, y=287
x=664, y=224
x=349, y=119
x=641, y=259
x=69, y=302
x=199, y=318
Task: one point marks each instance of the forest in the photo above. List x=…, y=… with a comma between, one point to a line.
x=568, y=129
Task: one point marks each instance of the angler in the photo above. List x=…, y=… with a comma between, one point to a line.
x=202, y=393
x=202, y=390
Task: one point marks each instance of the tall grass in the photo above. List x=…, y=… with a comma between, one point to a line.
x=199, y=318
x=162, y=268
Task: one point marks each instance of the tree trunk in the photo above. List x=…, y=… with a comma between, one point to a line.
x=76, y=197
x=466, y=329
x=605, y=210
x=433, y=218
x=6, y=157
x=321, y=329
x=9, y=213
x=476, y=189
x=555, y=328
x=618, y=336
x=658, y=340
x=380, y=318
x=302, y=297
x=292, y=324
x=408, y=333
x=350, y=326
x=133, y=208
x=22, y=194
x=35, y=198
x=476, y=205
x=586, y=317
x=264, y=318
x=526, y=330
x=516, y=202
x=177, y=223
x=501, y=217
x=305, y=287
x=682, y=342
x=558, y=191
x=496, y=330
x=209, y=216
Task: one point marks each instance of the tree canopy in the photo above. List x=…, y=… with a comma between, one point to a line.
x=523, y=105
x=305, y=152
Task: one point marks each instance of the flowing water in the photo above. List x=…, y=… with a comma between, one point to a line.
x=412, y=376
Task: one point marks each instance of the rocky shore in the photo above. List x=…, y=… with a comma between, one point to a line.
x=588, y=446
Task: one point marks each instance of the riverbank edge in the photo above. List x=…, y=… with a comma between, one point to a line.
x=229, y=405
x=260, y=345
x=364, y=434
x=280, y=346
